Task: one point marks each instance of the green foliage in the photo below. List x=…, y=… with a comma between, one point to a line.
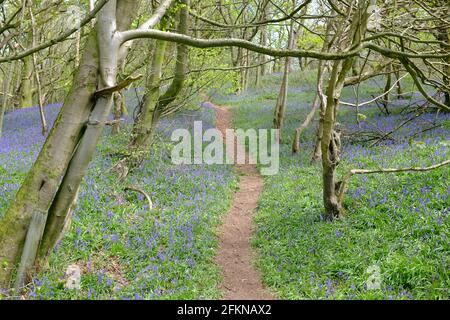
x=125, y=250
x=397, y=223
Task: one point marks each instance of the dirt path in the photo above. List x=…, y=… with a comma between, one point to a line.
x=241, y=280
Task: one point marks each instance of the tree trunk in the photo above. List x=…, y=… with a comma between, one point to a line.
x=317, y=154
x=6, y=85
x=108, y=68
x=27, y=83
x=385, y=100
x=443, y=34
x=42, y=181
x=155, y=105
x=331, y=142
x=399, y=83
x=38, y=78
x=261, y=70
x=142, y=130
x=118, y=111
x=280, y=107
x=330, y=149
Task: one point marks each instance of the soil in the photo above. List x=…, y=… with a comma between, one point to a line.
x=241, y=281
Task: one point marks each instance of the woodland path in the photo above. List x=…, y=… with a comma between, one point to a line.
x=241, y=281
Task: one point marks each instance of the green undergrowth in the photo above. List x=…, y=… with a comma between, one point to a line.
x=126, y=250
x=393, y=242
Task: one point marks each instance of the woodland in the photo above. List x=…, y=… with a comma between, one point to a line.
x=92, y=205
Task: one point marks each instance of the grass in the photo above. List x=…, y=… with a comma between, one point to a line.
x=397, y=224
x=125, y=250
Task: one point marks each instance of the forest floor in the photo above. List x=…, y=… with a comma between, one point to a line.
x=125, y=250
x=235, y=255
x=396, y=228
x=398, y=225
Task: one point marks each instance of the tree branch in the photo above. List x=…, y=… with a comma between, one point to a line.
x=351, y=173
x=61, y=38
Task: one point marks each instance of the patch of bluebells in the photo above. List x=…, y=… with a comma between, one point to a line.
x=159, y=253
x=19, y=146
x=398, y=222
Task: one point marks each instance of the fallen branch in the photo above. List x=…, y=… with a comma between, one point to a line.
x=141, y=191
x=351, y=173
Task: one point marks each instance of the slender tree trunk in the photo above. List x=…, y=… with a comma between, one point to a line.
x=6, y=85
x=40, y=99
x=27, y=83
x=118, y=111
x=155, y=105
x=37, y=78
x=317, y=154
x=330, y=149
x=280, y=107
x=386, y=99
x=399, y=83
x=355, y=67
x=442, y=33
x=446, y=67
x=261, y=70
x=143, y=127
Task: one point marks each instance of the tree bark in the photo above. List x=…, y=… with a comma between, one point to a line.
x=280, y=107
x=155, y=105
x=6, y=86
x=331, y=142
x=108, y=67
x=42, y=181
x=27, y=83
x=385, y=100
x=143, y=126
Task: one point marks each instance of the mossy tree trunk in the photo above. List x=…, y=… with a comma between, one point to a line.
x=42, y=181
x=144, y=123
x=108, y=67
x=69, y=146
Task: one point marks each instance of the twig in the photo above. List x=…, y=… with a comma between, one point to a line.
x=351, y=173
x=141, y=191
x=376, y=98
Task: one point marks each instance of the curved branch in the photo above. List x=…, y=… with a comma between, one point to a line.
x=407, y=64
x=256, y=24
x=141, y=191
x=61, y=38
x=156, y=17
x=351, y=173
x=232, y=42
